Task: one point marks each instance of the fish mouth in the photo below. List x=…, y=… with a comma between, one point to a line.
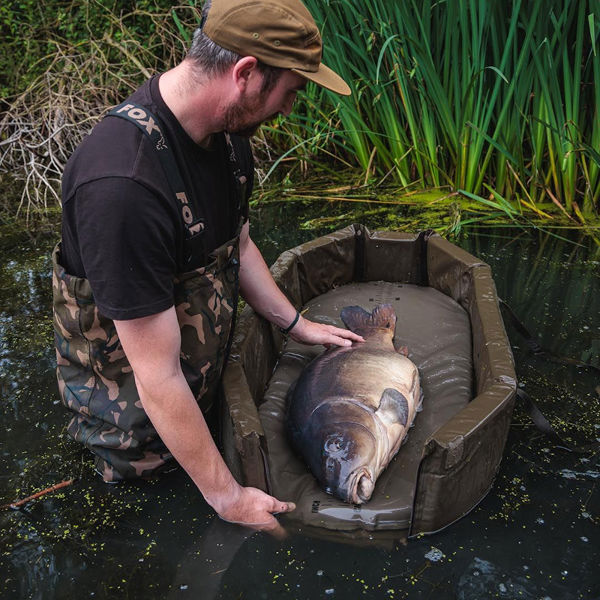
x=361, y=486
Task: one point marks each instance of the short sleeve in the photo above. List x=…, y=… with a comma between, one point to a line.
x=126, y=238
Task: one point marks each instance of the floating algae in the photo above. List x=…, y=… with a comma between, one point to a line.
x=92, y=540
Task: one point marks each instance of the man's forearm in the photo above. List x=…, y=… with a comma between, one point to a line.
x=152, y=345
x=262, y=294
x=260, y=290
x=180, y=424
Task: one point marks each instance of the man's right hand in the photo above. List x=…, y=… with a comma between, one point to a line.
x=250, y=507
x=152, y=345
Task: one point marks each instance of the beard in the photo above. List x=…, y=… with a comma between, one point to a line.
x=240, y=118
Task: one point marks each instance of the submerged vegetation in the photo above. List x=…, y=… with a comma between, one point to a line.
x=493, y=105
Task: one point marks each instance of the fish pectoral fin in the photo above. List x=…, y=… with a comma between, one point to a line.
x=393, y=407
x=402, y=350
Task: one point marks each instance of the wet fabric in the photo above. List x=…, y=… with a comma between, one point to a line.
x=437, y=332
x=461, y=457
x=96, y=381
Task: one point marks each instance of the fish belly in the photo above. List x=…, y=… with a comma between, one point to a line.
x=365, y=376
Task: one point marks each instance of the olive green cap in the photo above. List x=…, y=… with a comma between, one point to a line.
x=280, y=33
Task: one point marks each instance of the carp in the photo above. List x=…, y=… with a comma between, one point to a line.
x=351, y=407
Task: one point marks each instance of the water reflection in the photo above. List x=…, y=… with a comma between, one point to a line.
x=534, y=536
x=207, y=559
x=551, y=284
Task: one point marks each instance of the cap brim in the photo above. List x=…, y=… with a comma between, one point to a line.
x=326, y=78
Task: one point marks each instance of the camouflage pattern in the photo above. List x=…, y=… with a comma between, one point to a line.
x=95, y=378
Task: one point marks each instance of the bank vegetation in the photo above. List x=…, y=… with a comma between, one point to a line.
x=493, y=104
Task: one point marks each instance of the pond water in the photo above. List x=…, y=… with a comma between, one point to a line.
x=534, y=536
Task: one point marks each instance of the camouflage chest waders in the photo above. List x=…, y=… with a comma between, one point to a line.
x=95, y=379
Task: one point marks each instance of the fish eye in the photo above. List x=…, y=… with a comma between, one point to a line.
x=334, y=444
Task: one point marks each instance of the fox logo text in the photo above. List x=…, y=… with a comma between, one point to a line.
x=139, y=114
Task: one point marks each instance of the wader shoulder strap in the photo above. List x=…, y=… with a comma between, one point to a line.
x=151, y=126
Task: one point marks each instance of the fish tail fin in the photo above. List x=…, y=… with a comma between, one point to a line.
x=357, y=319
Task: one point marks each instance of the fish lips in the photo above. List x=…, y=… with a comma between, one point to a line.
x=357, y=488
x=343, y=449
x=361, y=486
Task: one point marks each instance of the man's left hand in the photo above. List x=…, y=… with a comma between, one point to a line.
x=309, y=332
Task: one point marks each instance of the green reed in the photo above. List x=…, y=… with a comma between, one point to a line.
x=494, y=99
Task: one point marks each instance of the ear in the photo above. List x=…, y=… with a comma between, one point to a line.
x=243, y=70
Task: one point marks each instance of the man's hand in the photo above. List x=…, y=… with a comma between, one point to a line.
x=152, y=345
x=309, y=332
x=250, y=507
x=262, y=294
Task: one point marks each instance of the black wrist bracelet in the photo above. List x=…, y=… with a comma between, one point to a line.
x=291, y=326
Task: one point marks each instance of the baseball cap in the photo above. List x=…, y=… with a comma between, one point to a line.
x=280, y=33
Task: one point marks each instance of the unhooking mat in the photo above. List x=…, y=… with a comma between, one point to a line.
x=438, y=334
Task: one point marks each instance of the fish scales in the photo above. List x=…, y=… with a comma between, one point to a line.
x=387, y=369
x=351, y=408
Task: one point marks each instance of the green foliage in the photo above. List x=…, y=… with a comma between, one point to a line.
x=496, y=99
x=30, y=32
x=63, y=63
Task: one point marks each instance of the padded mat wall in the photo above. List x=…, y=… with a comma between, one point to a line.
x=461, y=457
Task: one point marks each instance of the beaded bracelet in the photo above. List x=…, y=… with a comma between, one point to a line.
x=291, y=326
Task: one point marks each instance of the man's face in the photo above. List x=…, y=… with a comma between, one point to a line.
x=245, y=117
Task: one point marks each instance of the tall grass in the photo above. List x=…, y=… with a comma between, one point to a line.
x=495, y=99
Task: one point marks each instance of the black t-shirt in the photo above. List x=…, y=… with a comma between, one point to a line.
x=122, y=229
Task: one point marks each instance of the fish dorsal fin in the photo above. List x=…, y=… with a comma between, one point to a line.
x=359, y=320
x=393, y=407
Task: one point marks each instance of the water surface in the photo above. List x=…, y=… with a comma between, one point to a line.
x=534, y=536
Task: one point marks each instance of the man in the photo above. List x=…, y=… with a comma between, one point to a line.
x=155, y=246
